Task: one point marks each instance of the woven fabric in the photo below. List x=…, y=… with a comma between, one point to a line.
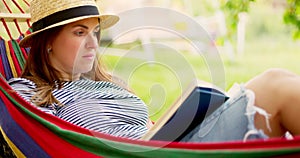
x=5, y=62
x=52, y=134
x=10, y=59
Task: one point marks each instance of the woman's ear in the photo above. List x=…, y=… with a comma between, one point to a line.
x=49, y=48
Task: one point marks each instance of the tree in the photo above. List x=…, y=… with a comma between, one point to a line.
x=292, y=16
x=232, y=9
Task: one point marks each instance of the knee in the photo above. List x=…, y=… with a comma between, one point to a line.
x=269, y=79
x=276, y=74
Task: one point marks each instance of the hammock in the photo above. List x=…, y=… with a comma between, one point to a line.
x=33, y=133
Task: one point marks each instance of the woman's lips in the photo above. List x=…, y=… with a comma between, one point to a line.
x=89, y=56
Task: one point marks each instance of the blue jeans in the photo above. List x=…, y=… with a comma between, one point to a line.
x=234, y=120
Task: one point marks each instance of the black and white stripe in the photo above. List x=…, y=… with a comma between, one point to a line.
x=99, y=106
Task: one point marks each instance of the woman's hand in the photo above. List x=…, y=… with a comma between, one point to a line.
x=149, y=124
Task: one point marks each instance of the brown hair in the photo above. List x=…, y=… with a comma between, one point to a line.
x=39, y=70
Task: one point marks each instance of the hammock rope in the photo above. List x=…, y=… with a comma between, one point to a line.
x=6, y=28
x=13, y=57
x=18, y=27
x=6, y=6
x=26, y=2
x=18, y=6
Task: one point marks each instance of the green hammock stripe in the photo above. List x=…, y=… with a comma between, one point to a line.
x=18, y=53
x=108, y=148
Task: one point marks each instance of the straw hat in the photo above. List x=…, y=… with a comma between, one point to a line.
x=46, y=14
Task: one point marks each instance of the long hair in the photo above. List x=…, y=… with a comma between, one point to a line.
x=39, y=70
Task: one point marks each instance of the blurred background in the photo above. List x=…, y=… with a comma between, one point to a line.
x=250, y=37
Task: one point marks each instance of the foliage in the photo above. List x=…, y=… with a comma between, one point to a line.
x=291, y=16
x=260, y=55
x=232, y=8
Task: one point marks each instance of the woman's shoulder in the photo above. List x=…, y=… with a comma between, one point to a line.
x=21, y=82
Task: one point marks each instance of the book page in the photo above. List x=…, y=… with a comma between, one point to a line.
x=169, y=113
x=192, y=88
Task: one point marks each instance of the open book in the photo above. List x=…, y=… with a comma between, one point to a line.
x=197, y=102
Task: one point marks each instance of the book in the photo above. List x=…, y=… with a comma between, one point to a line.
x=188, y=111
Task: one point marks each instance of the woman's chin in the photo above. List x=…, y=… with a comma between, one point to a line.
x=83, y=69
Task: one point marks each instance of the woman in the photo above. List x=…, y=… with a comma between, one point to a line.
x=62, y=50
x=63, y=45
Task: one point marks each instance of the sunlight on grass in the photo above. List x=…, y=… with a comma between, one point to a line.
x=159, y=80
x=160, y=83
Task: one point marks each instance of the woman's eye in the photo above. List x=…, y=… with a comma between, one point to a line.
x=97, y=29
x=96, y=33
x=79, y=33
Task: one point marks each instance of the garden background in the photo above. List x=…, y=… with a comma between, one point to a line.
x=268, y=43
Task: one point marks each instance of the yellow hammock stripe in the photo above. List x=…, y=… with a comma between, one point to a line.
x=16, y=151
x=11, y=63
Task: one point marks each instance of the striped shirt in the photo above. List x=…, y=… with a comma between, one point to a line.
x=96, y=105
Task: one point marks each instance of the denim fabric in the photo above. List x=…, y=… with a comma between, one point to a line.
x=234, y=120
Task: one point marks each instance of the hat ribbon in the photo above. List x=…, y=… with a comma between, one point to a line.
x=64, y=15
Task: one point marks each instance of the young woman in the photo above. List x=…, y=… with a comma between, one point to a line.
x=63, y=48
x=61, y=51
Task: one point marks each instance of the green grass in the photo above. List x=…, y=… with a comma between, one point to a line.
x=161, y=82
x=261, y=55
x=268, y=44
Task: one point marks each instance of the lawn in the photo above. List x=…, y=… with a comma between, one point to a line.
x=161, y=77
x=161, y=80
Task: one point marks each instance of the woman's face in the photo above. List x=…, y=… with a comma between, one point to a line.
x=74, y=48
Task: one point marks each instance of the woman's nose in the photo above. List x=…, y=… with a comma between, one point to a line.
x=91, y=41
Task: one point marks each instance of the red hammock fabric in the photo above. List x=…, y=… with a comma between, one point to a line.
x=43, y=134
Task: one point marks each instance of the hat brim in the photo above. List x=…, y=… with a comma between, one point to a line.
x=106, y=21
